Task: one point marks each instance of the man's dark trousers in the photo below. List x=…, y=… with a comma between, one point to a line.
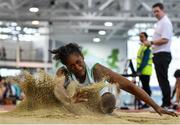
x=161, y=61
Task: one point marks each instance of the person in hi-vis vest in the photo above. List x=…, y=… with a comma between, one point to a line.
x=144, y=64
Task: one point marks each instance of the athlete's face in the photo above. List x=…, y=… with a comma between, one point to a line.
x=75, y=63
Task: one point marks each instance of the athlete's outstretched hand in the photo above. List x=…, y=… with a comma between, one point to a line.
x=161, y=111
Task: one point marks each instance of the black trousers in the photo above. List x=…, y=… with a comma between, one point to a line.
x=145, y=83
x=161, y=61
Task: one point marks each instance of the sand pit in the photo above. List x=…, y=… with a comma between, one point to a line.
x=52, y=116
x=41, y=106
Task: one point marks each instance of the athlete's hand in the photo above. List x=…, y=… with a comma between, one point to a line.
x=80, y=97
x=161, y=111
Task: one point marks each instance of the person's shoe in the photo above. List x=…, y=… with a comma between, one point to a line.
x=168, y=108
x=175, y=106
x=165, y=106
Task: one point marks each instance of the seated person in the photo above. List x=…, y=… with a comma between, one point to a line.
x=2, y=90
x=177, y=89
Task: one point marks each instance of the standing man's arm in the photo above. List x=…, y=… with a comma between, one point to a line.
x=166, y=35
x=157, y=42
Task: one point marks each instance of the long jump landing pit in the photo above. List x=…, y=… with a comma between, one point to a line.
x=42, y=107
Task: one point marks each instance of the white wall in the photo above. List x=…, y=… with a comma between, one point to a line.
x=10, y=47
x=41, y=42
x=103, y=50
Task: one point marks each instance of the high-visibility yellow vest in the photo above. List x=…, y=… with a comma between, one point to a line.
x=147, y=70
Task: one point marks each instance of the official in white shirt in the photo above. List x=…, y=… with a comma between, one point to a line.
x=161, y=43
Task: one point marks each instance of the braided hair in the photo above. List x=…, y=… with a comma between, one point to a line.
x=63, y=52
